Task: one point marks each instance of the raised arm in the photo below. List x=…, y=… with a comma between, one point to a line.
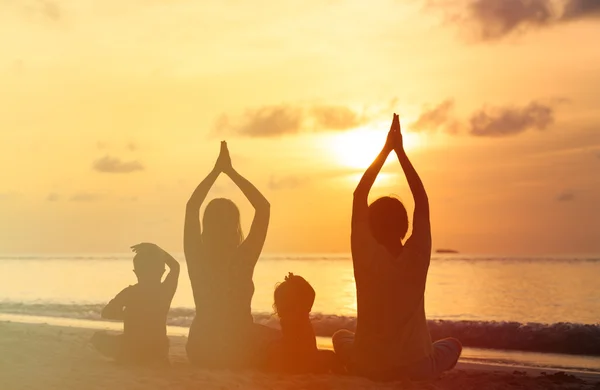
x=360, y=207
x=170, y=282
x=421, y=230
x=253, y=244
x=191, y=229
x=114, y=310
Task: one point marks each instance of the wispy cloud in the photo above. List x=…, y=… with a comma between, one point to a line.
x=566, y=196
x=85, y=197
x=109, y=164
x=50, y=9
x=506, y=121
x=495, y=19
x=282, y=120
x=489, y=121
x=579, y=9
x=9, y=195
x=286, y=182
x=440, y=116
x=53, y=197
x=269, y=121
x=336, y=117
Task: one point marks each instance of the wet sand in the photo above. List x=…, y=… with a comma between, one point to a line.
x=36, y=356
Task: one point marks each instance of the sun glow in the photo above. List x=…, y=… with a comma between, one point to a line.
x=358, y=148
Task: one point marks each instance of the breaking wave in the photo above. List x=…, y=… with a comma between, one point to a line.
x=563, y=337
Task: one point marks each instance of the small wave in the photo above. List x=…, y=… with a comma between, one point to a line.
x=568, y=338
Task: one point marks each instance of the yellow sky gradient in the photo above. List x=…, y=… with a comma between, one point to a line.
x=149, y=83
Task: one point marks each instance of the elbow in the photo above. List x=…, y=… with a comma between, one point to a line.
x=106, y=314
x=190, y=206
x=264, y=206
x=360, y=193
x=111, y=313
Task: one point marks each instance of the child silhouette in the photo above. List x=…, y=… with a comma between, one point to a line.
x=143, y=308
x=297, y=352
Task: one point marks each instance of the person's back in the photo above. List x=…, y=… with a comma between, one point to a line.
x=144, y=321
x=391, y=324
x=143, y=308
x=223, y=289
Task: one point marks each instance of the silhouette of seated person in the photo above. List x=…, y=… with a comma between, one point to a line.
x=143, y=308
x=297, y=352
x=392, y=340
x=221, y=265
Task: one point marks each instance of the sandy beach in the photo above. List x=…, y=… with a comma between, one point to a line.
x=50, y=357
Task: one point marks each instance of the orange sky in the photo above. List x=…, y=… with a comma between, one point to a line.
x=110, y=115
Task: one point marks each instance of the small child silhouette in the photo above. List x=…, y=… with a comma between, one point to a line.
x=297, y=352
x=143, y=308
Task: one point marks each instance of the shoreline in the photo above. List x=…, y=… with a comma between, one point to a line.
x=60, y=357
x=479, y=358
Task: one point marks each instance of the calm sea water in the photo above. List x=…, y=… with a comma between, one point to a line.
x=478, y=288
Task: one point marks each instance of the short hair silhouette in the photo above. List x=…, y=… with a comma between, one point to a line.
x=388, y=220
x=147, y=265
x=293, y=297
x=222, y=226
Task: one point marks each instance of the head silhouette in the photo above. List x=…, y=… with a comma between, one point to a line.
x=388, y=220
x=293, y=297
x=148, y=268
x=222, y=229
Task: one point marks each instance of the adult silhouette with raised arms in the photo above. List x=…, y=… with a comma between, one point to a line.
x=221, y=265
x=392, y=340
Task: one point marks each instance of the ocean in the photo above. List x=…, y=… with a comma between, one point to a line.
x=542, y=304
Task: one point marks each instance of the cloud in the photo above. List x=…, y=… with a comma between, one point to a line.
x=281, y=120
x=84, y=197
x=18, y=66
x=109, y=164
x=50, y=9
x=286, y=182
x=53, y=197
x=495, y=19
x=269, y=121
x=506, y=121
x=9, y=195
x=487, y=121
x=336, y=117
x=566, y=196
x=436, y=117
x=579, y=9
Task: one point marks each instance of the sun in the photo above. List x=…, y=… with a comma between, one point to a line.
x=358, y=148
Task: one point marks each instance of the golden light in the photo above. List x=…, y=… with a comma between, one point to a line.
x=358, y=148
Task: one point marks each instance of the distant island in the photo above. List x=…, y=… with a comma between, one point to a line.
x=446, y=251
